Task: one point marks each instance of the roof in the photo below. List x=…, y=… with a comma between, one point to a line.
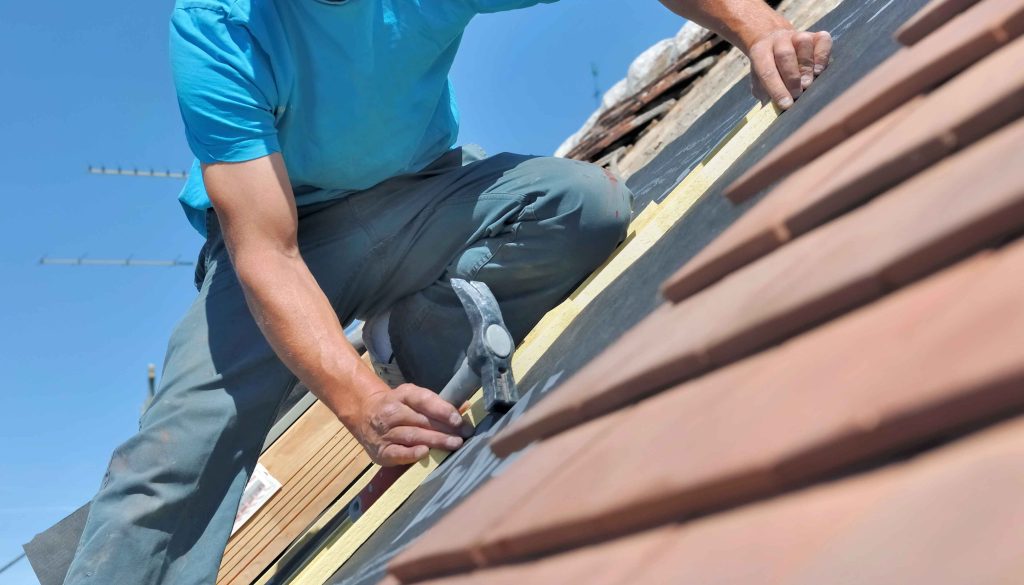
x=801, y=365
x=830, y=388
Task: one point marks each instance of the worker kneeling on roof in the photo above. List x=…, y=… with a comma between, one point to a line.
x=328, y=188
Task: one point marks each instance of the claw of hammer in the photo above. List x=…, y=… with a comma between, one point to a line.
x=489, y=356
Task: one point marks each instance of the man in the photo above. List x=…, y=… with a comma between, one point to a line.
x=328, y=189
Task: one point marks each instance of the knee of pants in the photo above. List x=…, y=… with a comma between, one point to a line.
x=595, y=209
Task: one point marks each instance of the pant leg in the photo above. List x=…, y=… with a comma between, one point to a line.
x=541, y=226
x=166, y=506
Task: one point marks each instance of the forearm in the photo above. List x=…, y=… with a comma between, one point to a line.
x=258, y=217
x=299, y=323
x=741, y=22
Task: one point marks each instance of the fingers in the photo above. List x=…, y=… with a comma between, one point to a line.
x=416, y=437
x=803, y=43
x=403, y=415
x=822, y=51
x=401, y=455
x=786, y=62
x=429, y=404
x=763, y=63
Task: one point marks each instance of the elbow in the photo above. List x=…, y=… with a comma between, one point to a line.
x=255, y=262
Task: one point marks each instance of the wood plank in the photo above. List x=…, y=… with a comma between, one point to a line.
x=957, y=45
x=285, y=460
x=288, y=419
x=315, y=459
x=338, y=508
x=261, y=525
x=930, y=18
x=932, y=358
x=317, y=493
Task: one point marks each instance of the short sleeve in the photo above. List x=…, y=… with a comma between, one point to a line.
x=485, y=6
x=225, y=87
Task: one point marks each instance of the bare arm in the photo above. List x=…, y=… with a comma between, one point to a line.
x=784, y=61
x=257, y=213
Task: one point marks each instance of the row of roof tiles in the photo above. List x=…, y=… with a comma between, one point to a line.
x=867, y=309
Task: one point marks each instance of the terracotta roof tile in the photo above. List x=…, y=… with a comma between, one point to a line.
x=908, y=73
x=952, y=515
x=897, y=146
x=608, y=564
x=943, y=353
x=956, y=516
x=931, y=17
x=457, y=533
x=919, y=226
x=763, y=228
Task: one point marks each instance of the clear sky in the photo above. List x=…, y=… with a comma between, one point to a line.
x=85, y=83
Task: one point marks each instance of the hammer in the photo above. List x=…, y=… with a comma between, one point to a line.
x=488, y=358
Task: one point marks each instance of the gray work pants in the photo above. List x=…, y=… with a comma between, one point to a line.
x=531, y=228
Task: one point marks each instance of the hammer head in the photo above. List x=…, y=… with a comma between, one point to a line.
x=490, y=352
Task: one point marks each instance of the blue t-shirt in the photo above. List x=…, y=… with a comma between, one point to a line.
x=351, y=92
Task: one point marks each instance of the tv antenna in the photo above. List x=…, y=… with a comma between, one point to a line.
x=131, y=261
x=128, y=262
x=135, y=172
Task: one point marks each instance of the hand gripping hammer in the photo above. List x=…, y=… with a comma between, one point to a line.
x=489, y=356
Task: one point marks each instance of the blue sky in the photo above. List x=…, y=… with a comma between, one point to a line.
x=89, y=84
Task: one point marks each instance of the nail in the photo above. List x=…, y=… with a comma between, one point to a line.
x=806, y=80
x=785, y=103
x=455, y=419
x=453, y=443
x=818, y=68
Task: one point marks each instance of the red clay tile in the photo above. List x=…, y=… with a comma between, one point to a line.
x=763, y=543
x=605, y=564
x=449, y=546
x=912, y=230
x=935, y=14
x=763, y=229
x=950, y=516
x=958, y=44
x=938, y=355
x=953, y=515
x=615, y=372
x=953, y=116
x=907, y=141
x=956, y=516
x=907, y=233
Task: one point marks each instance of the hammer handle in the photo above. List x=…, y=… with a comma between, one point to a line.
x=462, y=385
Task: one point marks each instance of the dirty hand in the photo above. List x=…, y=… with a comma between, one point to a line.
x=400, y=426
x=785, y=62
